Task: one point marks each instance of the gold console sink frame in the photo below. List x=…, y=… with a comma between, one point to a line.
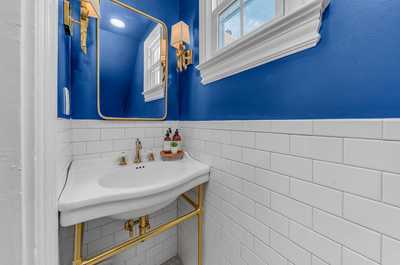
x=198, y=211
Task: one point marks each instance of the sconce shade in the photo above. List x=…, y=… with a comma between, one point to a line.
x=93, y=6
x=180, y=33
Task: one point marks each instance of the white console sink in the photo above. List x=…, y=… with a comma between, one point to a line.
x=98, y=187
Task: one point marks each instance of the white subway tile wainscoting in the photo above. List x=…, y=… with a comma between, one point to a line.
x=312, y=192
x=96, y=139
x=301, y=192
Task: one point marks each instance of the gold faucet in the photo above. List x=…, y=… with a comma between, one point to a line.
x=138, y=157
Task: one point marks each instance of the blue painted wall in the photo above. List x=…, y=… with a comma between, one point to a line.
x=64, y=62
x=353, y=73
x=83, y=73
x=116, y=71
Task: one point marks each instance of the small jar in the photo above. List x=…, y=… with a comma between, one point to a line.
x=174, y=147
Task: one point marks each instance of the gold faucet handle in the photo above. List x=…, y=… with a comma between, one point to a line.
x=123, y=161
x=147, y=223
x=129, y=226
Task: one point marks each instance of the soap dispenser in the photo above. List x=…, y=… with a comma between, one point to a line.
x=167, y=143
x=177, y=139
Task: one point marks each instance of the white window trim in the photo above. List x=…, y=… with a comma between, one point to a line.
x=157, y=92
x=154, y=93
x=296, y=31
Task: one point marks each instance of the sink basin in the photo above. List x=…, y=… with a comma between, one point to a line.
x=98, y=188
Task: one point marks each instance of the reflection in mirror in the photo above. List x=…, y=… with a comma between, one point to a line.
x=132, y=63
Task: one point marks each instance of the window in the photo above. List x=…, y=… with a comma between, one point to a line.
x=243, y=16
x=153, y=87
x=237, y=35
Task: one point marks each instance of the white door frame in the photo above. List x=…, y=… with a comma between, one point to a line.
x=40, y=231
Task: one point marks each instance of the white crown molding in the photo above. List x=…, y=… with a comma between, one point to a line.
x=292, y=33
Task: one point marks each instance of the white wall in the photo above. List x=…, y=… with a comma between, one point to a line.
x=10, y=137
x=297, y=192
x=94, y=139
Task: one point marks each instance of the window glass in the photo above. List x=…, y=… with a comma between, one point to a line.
x=155, y=53
x=257, y=13
x=152, y=62
x=229, y=25
x=242, y=17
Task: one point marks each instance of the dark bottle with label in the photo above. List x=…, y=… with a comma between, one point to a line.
x=177, y=138
x=167, y=143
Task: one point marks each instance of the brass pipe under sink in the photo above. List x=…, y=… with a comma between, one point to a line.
x=147, y=233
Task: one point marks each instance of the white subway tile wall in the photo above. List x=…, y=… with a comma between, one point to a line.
x=312, y=192
x=83, y=139
x=64, y=151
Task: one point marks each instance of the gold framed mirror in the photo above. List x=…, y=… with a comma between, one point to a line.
x=132, y=64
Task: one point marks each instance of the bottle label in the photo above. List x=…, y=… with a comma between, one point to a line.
x=167, y=146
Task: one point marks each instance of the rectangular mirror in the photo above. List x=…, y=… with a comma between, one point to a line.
x=132, y=63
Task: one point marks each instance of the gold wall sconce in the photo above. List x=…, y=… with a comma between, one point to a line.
x=179, y=37
x=89, y=8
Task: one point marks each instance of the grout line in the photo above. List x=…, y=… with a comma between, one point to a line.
x=312, y=171
x=343, y=151
x=382, y=187
x=341, y=255
x=303, y=180
x=312, y=218
x=323, y=210
x=297, y=223
x=326, y=161
x=342, y=205
x=381, y=250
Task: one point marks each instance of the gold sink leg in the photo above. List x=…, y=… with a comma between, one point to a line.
x=200, y=216
x=78, y=245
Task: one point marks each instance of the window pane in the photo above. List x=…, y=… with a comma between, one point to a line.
x=229, y=25
x=149, y=58
x=155, y=53
x=258, y=12
x=155, y=77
